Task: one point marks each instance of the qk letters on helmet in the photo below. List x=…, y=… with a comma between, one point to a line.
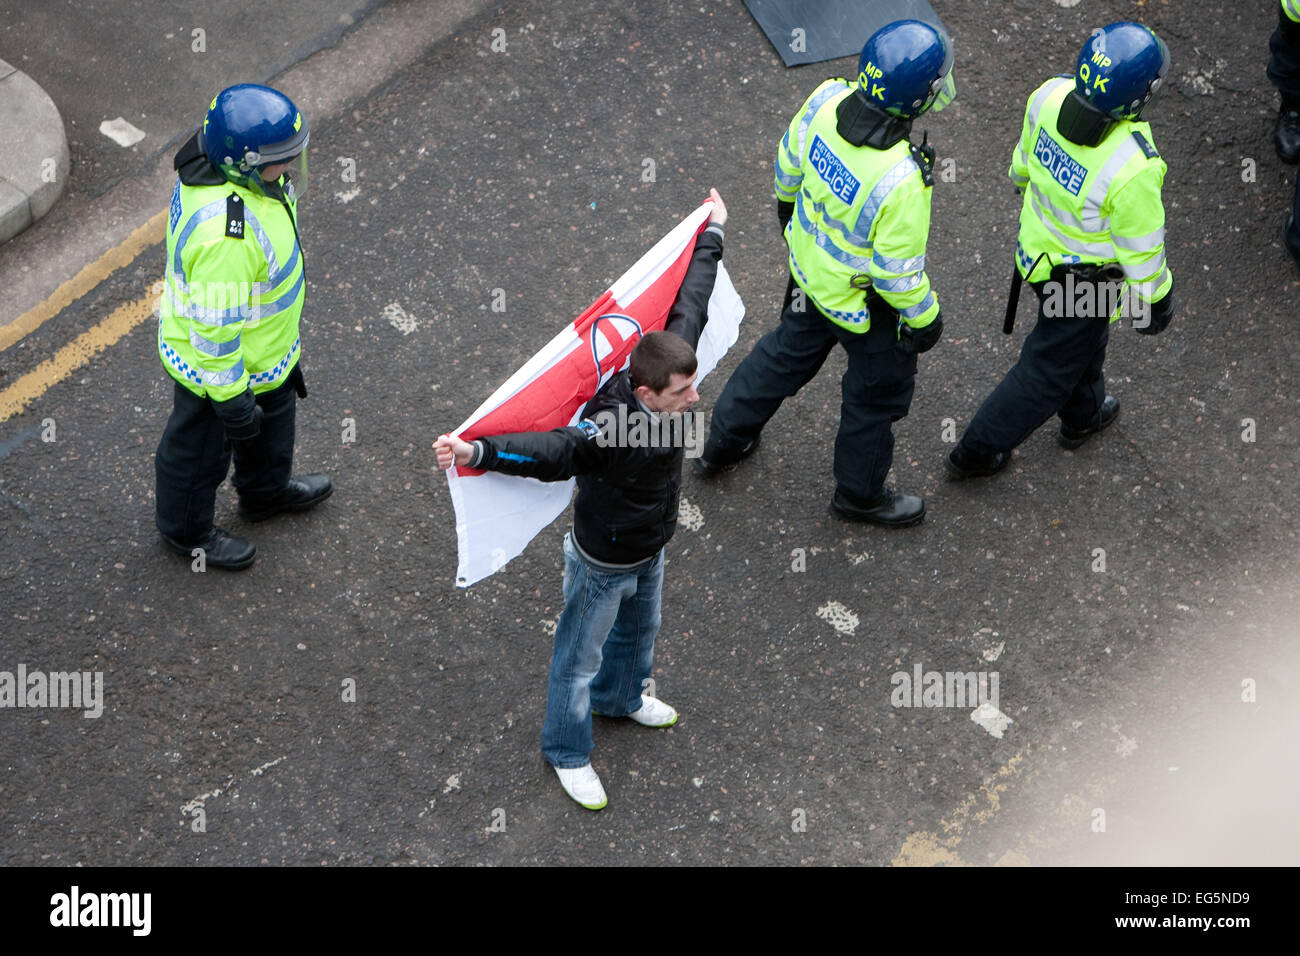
x=1086, y=74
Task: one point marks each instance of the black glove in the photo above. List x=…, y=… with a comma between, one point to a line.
x=784, y=212
x=299, y=383
x=915, y=341
x=241, y=416
x=1162, y=313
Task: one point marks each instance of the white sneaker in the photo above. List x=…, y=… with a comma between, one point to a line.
x=583, y=785
x=654, y=713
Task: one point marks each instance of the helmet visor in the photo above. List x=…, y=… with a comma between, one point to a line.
x=292, y=151
x=291, y=181
x=943, y=92
x=295, y=177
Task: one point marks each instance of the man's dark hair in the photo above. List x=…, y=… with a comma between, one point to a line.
x=658, y=357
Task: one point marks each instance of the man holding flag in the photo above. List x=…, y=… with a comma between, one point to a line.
x=629, y=485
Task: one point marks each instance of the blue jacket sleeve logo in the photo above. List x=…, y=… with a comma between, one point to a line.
x=830, y=168
x=1059, y=163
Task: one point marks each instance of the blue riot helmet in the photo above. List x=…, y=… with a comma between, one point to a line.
x=1120, y=68
x=906, y=69
x=250, y=127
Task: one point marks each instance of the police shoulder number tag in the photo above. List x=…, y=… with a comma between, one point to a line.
x=1145, y=145
x=234, y=217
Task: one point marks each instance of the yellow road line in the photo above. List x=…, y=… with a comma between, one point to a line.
x=76, y=353
x=92, y=275
x=929, y=849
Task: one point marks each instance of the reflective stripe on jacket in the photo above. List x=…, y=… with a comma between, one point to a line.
x=233, y=295
x=858, y=211
x=1082, y=204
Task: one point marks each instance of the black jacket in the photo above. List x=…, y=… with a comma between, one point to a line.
x=627, y=502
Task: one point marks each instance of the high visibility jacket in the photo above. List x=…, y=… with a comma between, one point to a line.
x=1095, y=205
x=1292, y=9
x=234, y=293
x=858, y=211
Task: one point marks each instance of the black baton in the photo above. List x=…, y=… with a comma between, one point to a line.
x=1013, y=301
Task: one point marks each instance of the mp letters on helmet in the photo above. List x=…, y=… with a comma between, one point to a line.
x=868, y=80
x=1091, y=71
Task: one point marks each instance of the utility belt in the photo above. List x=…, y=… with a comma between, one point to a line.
x=1081, y=273
x=882, y=335
x=1092, y=272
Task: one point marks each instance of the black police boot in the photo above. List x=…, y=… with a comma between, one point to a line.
x=1291, y=238
x=889, y=509
x=302, y=492
x=711, y=467
x=1286, y=134
x=1074, y=437
x=961, y=464
x=221, y=549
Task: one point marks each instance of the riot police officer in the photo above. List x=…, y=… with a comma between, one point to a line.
x=1092, y=234
x=228, y=332
x=853, y=197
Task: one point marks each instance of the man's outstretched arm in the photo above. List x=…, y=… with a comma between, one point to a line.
x=556, y=455
x=690, y=311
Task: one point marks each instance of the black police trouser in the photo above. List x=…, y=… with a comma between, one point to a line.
x=1284, y=64
x=1293, y=234
x=1059, y=373
x=876, y=390
x=194, y=457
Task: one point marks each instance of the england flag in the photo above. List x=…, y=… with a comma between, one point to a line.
x=497, y=515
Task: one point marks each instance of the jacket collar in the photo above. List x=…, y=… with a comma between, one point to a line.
x=192, y=166
x=860, y=123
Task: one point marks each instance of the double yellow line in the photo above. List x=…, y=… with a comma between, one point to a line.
x=30, y=387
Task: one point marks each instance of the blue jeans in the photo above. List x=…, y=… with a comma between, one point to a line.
x=604, y=651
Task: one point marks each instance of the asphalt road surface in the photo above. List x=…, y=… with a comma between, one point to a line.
x=226, y=736
x=155, y=65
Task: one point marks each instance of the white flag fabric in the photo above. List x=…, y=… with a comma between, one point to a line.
x=497, y=515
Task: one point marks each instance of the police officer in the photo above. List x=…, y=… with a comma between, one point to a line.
x=853, y=196
x=1284, y=71
x=1092, y=234
x=228, y=333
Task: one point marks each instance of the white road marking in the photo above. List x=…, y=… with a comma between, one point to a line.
x=258, y=771
x=991, y=719
x=190, y=806
x=839, y=617
x=400, y=319
x=121, y=132
x=689, y=516
x=1202, y=80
